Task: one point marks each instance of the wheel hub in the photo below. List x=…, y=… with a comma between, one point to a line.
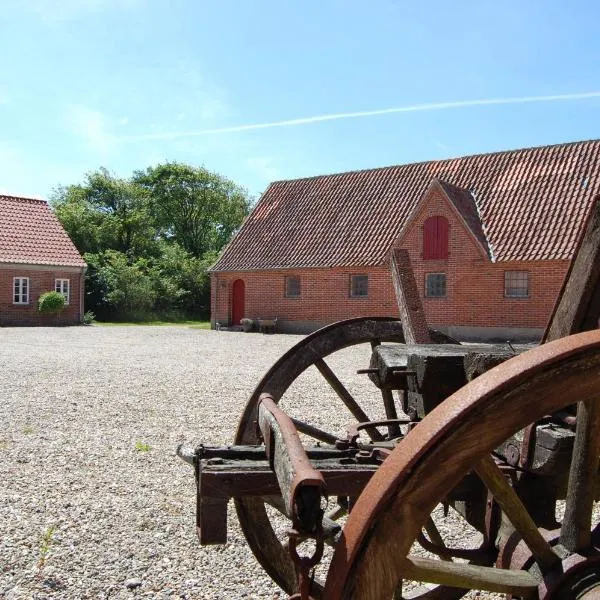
x=575, y=576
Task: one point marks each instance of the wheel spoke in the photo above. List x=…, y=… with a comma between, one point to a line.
x=314, y=432
x=436, y=538
x=461, y=575
x=352, y=405
x=575, y=531
x=516, y=512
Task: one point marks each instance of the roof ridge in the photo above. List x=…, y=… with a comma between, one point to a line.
x=28, y=198
x=440, y=160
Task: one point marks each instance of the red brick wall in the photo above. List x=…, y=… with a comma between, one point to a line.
x=475, y=285
x=325, y=295
x=39, y=282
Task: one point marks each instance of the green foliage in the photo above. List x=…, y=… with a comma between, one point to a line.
x=142, y=447
x=197, y=208
x=45, y=545
x=51, y=302
x=149, y=240
x=106, y=212
x=89, y=318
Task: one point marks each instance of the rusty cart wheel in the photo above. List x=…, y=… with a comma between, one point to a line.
x=270, y=551
x=375, y=558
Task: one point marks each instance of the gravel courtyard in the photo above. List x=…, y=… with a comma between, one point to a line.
x=93, y=497
x=94, y=503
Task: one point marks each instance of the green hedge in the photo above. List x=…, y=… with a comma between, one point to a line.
x=51, y=302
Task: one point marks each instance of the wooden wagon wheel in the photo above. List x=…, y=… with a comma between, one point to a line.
x=311, y=351
x=374, y=555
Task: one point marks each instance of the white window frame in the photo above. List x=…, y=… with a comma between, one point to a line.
x=355, y=287
x=513, y=284
x=20, y=291
x=428, y=289
x=63, y=286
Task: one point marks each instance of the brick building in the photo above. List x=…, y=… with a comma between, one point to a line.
x=36, y=256
x=489, y=237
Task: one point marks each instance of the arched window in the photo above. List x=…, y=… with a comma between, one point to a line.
x=435, y=238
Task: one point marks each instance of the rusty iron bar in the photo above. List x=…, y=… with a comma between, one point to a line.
x=353, y=429
x=302, y=486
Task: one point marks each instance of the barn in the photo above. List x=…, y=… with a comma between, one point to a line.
x=36, y=256
x=489, y=237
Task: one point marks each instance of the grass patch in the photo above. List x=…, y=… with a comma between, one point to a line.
x=186, y=323
x=142, y=446
x=45, y=545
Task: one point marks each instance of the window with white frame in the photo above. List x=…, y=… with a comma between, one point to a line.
x=435, y=285
x=20, y=290
x=63, y=286
x=516, y=284
x=359, y=286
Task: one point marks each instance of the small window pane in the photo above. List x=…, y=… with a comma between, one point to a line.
x=435, y=285
x=292, y=287
x=516, y=284
x=359, y=285
x=62, y=286
x=21, y=290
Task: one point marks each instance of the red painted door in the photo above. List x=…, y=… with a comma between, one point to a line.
x=237, y=301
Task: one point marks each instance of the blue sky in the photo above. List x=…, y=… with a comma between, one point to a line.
x=125, y=84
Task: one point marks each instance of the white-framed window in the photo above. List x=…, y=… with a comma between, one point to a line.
x=435, y=285
x=20, y=290
x=63, y=286
x=516, y=284
x=359, y=286
x=292, y=286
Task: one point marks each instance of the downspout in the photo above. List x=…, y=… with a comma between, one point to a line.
x=81, y=292
x=214, y=284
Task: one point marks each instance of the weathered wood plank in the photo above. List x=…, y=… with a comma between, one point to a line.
x=583, y=475
x=489, y=579
x=578, y=305
x=409, y=302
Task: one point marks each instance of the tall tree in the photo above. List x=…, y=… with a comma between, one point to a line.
x=197, y=208
x=106, y=212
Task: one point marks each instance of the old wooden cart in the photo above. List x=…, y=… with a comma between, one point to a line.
x=506, y=443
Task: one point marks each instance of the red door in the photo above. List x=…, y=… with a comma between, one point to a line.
x=237, y=301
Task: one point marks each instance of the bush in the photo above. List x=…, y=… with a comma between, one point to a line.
x=89, y=318
x=51, y=302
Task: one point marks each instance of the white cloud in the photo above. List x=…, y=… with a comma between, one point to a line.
x=123, y=121
x=90, y=125
x=4, y=98
x=433, y=106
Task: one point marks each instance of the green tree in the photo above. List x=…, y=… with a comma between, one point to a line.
x=150, y=239
x=106, y=212
x=123, y=288
x=197, y=208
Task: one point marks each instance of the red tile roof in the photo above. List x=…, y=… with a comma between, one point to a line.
x=466, y=206
x=30, y=233
x=532, y=203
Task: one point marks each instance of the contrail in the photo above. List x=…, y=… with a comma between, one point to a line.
x=363, y=113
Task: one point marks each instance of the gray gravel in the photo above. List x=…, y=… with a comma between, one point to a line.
x=93, y=502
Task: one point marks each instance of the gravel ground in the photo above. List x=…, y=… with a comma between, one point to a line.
x=95, y=504
x=83, y=512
